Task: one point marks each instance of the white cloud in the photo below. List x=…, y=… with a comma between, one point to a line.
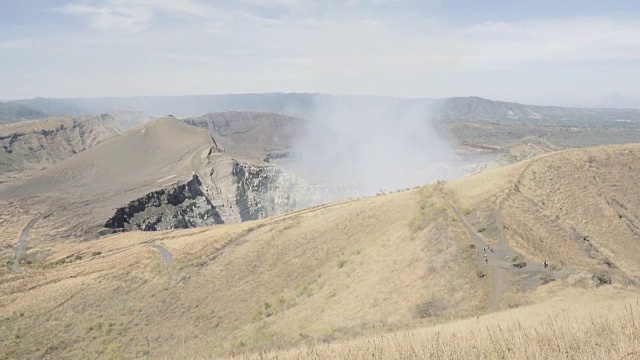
x=136, y=15
x=126, y=18
x=304, y=45
x=15, y=44
x=559, y=41
x=182, y=57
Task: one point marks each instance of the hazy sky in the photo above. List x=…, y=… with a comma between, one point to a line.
x=530, y=51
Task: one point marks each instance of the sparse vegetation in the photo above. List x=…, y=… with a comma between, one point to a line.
x=547, y=278
x=609, y=331
x=431, y=209
x=518, y=262
x=269, y=309
x=427, y=309
x=601, y=278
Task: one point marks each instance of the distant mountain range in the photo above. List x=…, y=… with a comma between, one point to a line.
x=304, y=105
x=15, y=111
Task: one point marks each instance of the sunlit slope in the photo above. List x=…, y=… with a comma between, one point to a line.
x=592, y=324
x=586, y=203
x=337, y=270
x=334, y=270
x=578, y=208
x=150, y=152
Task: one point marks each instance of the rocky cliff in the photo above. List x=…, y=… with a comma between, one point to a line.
x=182, y=206
x=249, y=192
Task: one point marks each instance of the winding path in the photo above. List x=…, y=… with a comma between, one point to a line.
x=165, y=255
x=497, y=259
x=21, y=245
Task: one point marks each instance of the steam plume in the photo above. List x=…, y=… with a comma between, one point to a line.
x=373, y=144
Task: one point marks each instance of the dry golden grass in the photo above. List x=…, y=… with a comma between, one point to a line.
x=351, y=269
x=275, y=281
x=577, y=208
x=600, y=325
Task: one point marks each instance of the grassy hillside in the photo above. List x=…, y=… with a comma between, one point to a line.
x=580, y=325
x=577, y=207
x=279, y=280
x=406, y=260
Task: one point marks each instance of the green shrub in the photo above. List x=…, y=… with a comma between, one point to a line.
x=427, y=309
x=517, y=262
x=547, y=278
x=602, y=278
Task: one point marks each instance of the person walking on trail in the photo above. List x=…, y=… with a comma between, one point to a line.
x=546, y=264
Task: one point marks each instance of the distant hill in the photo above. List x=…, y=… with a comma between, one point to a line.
x=180, y=106
x=479, y=109
x=251, y=133
x=40, y=143
x=14, y=111
x=37, y=144
x=305, y=105
x=468, y=122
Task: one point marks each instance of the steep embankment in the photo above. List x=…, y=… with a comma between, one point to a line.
x=42, y=143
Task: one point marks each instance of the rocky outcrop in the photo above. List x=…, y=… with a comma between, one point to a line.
x=268, y=191
x=254, y=192
x=182, y=206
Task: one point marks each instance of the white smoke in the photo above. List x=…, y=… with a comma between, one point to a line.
x=373, y=144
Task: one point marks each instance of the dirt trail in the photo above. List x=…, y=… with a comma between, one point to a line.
x=165, y=254
x=497, y=260
x=21, y=245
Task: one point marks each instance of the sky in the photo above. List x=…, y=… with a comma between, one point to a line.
x=565, y=52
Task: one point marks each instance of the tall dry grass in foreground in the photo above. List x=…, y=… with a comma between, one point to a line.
x=609, y=330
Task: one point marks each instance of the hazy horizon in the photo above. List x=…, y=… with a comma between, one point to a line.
x=614, y=100
x=574, y=53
